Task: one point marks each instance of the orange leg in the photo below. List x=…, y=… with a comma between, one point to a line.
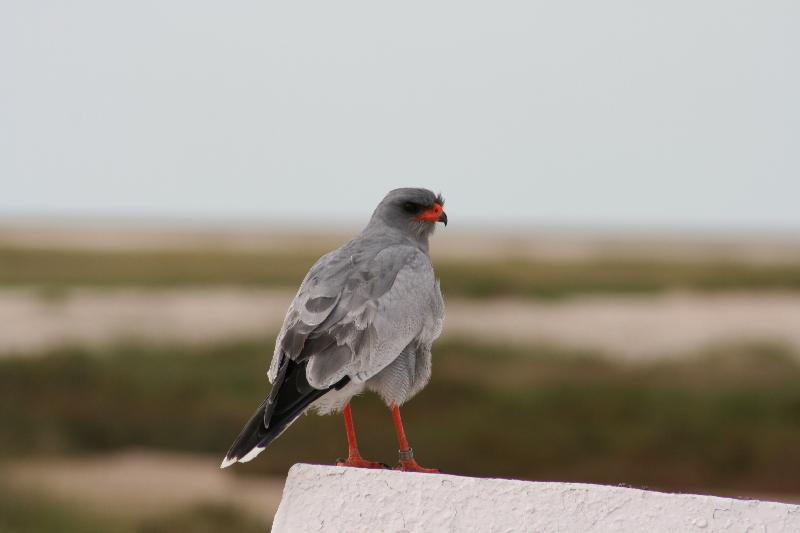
x=407, y=462
x=354, y=458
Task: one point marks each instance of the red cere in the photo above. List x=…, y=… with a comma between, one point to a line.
x=432, y=214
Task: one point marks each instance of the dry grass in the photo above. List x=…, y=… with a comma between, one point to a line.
x=515, y=276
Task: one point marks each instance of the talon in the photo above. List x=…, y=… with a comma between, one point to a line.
x=411, y=465
x=359, y=462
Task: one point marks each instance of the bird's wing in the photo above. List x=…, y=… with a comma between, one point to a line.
x=353, y=316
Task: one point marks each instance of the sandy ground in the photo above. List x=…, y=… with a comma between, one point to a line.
x=647, y=326
x=635, y=327
x=31, y=322
x=145, y=482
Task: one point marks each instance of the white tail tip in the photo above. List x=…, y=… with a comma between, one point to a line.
x=249, y=456
x=228, y=461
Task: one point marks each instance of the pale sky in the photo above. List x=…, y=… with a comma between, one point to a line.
x=679, y=113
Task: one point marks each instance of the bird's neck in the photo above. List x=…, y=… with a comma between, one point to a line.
x=416, y=236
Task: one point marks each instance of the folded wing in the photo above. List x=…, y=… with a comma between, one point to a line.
x=354, y=313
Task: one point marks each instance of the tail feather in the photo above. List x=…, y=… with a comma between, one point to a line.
x=291, y=394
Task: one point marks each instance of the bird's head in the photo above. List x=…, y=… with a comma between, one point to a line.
x=414, y=210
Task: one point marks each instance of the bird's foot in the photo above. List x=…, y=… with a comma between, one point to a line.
x=408, y=464
x=356, y=461
x=412, y=466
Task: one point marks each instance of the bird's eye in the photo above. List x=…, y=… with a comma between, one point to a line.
x=410, y=207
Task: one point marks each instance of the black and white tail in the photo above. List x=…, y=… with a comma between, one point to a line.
x=290, y=396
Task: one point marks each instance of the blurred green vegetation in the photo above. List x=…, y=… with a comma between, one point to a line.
x=728, y=418
x=23, y=511
x=507, y=276
x=30, y=512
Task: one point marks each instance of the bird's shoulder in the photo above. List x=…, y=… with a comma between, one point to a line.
x=343, y=281
x=363, y=263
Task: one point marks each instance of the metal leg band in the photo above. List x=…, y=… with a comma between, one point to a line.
x=406, y=455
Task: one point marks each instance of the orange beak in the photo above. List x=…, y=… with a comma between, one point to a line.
x=434, y=214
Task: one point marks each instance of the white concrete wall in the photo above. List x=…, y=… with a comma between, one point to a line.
x=328, y=498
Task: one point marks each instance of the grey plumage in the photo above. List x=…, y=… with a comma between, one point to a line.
x=364, y=317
